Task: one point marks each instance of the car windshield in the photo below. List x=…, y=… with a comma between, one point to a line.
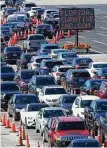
x=83, y=61
x=32, y=108
x=51, y=91
x=27, y=74
x=15, y=49
x=69, y=99
x=58, y=51
x=7, y=70
x=9, y=87
x=64, y=69
x=49, y=12
x=69, y=55
x=45, y=81
x=53, y=113
x=44, y=27
x=35, y=8
x=100, y=65
x=51, y=47
x=56, y=16
x=26, y=99
x=102, y=106
x=53, y=63
x=11, y=11
x=85, y=103
x=65, y=126
x=86, y=144
x=36, y=37
x=81, y=74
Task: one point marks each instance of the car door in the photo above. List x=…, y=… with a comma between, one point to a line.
x=75, y=106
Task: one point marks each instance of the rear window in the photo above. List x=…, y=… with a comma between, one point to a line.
x=13, y=49
x=45, y=81
x=7, y=70
x=51, y=47
x=81, y=74
x=53, y=113
x=9, y=87
x=64, y=69
x=104, y=71
x=99, y=65
x=39, y=60
x=83, y=61
x=51, y=91
x=36, y=38
x=68, y=55
x=52, y=64
x=69, y=99
x=30, y=5
x=11, y=11
x=64, y=126
x=32, y=108
x=27, y=74
x=44, y=27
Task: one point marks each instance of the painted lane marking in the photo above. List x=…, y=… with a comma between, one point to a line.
x=103, y=28
x=99, y=42
x=101, y=34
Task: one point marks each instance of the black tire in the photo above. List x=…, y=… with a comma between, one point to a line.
x=15, y=117
x=9, y=114
x=44, y=140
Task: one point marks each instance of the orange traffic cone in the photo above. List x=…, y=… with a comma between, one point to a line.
x=38, y=144
x=99, y=135
x=20, y=142
x=69, y=34
x=27, y=141
x=54, y=40
x=105, y=142
x=8, y=123
x=37, y=22
x=4, y=120
x=13, y=127
x=57, y=36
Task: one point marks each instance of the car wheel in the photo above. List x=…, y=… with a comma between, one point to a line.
x=36, y=130
x=9, y=114
x=15, y=117
x=27, y=127
x=44, y=140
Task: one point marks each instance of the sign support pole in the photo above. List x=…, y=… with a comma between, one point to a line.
x=77, y=40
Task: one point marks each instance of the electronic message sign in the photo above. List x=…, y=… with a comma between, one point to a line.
x=76, y=18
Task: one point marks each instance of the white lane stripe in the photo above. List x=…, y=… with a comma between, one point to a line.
x=81, y=37
x=99, y=42
x=87, y=30
x=103, y=28
x=104, y=22
x=101, y=34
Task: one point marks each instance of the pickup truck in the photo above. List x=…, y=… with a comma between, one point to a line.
x=102, y=124
x=92, y=114
x=33, y=42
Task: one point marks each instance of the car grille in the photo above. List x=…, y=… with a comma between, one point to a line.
x=69, y=138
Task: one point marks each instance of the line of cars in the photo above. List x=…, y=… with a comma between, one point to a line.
x=41, y=92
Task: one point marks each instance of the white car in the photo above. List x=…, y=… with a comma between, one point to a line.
x=28, y=114
x=47, y=13
x=35, y=61
x=33, y=10
x=95, y=66
x=44, y=114
x=80, y=103
x=50, y=94
x=58, y=71
x=55, y=52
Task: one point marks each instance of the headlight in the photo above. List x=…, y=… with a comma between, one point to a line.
x=17, y=110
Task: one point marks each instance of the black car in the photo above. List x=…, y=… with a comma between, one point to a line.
x=7, y=34
x=80, y=143
x=11, y=54
x=8, y=89
x=46, y=30
x=24, y=60
x=7, y=73
x=54, y=23
x=19, y=101
x=38, y=81
x=23, y=77
x=80, y=63
x=90, y=86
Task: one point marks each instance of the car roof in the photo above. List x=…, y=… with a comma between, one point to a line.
x=51, y=60
x=8, y=82
x=82, y=58
x=36, y=104
x=27, y=70
x=89, y=97
x=67, y=52
x=69, y=95
x=52, y=108
x=92, y=80
x=52, y=86
x=69, y=119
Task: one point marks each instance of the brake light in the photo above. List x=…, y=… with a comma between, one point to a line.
x=57, y=74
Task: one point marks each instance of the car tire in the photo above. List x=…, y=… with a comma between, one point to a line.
x=44, y=140
x=9, y=114
x=36, y=130
x=15, y=117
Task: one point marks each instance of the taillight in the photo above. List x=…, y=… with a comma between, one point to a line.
x=57, y=74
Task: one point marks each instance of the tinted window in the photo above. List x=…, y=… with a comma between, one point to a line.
x=53, y=63
x=36, y=38
x=51, y=47
x=27, y=74
x=36, y=107
x=81, y=74
x=64, y=126
x=69, y=55
x=95, y=83
x=53, y=113
x=10, y=11
x=13, y=49
x=69, y=99
x=51, y=91
x=63, y=69
x=39, y=60
x=9, y=87
x=58, y=51
x=85, y=103
x=102, y=106
x=30, y=5
x=44, y=27
x=86, y=144
x=45, y=81
x=83, y=61
x=99, y=65
x=26, y=99
x=6, y=70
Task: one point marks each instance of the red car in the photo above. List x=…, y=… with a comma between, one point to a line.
x=102, y=91
x=65, y=129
